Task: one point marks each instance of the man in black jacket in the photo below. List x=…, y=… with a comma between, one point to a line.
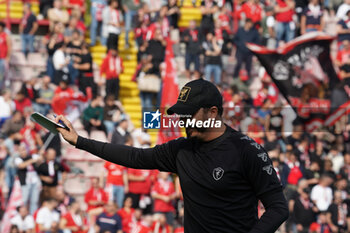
x=192, y=38
x=245, y=34
x=223, y=173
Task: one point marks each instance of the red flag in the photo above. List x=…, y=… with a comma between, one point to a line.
x=170, y=92
x=14, y=201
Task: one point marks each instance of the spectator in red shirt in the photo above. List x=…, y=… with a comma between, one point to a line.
x=163, y=193
x=285, y=26
x=343, y=55
x=112, y=67
x=225, y=20
x=95, y=199
x=253, y=11
x=117, y=179
x=31, y=138
x=65, y=100
x=255, y=129
x=162, y=24
x=127, y=215
x=143, y=225
x=292, y=170
x=160, y=224
x=74, y=4
x=140, y=182
x=321, y=225
x=5, y=52
x=73, y=220
x=22, y=102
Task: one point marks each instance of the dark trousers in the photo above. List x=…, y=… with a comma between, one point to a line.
x=243, y=58
x=192, y=58
x=112, y=41
x=44, y=6
x=136, y=200
x=112, y=87
x=88, y=126
x=85, y=82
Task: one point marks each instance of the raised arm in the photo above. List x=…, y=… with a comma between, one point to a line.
x=161, y=157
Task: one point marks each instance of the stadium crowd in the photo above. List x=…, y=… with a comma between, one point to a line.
x=314, y=168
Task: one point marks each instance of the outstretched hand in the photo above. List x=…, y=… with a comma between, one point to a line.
x=70, y=136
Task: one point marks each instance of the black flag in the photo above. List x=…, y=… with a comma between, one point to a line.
x=303, y=72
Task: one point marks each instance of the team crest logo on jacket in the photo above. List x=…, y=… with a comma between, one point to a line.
x=218, y=173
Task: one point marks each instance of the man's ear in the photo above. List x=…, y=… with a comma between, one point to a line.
x=213, y=112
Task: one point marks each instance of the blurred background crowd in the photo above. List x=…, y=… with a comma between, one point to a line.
x=85, y=59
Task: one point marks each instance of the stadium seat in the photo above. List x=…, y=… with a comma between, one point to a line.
x=37, y=60
x=18, y=59
x=76, y=184
x=73, y=154
x=90, y=168
x=98, y=135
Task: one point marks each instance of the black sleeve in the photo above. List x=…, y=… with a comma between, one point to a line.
x=183, y=35
x=149, y=48
x=61, y=167
x=40, y=169
x=267, y=188
x=161, y=157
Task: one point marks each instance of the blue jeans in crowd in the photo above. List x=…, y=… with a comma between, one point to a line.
x=147, y=100
x=94, y=26
x=284, y=31
x=192, y=58
x=50, y=69
x=74, y=73
x=31, y=192
x=27, y=43
x=10, y=172
x=42, y=108
x=110, y=126
x=215, y=70
x=118, y=195
x=129, y=15
x=2, y=73
x=311, y=30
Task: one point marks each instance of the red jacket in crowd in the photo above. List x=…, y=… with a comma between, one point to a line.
x=95, y=195
x=63, y=98
x=141, y=187
x=127, y=219
x=115, y=173
x=165, y=188
x=4, y=47
x=112, y=66
x=72, y=223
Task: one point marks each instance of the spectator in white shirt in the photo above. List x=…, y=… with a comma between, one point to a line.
x=141, y=138
x=112, y=18
x=337, y=159
x=23, y=220
x=60, y=62
x=28, y=177
x=47, y=217
x=343, y=9
x=321, y=194
x=7, y=106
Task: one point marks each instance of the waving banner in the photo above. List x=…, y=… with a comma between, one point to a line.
x=303, y=72
x=170, y=92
